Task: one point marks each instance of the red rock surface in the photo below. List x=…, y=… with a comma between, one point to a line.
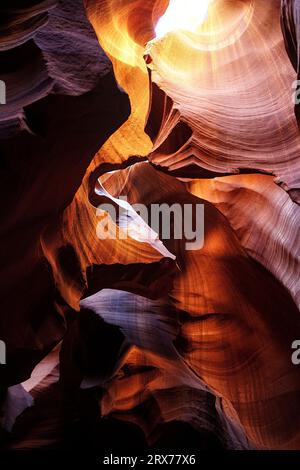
x=114, y=335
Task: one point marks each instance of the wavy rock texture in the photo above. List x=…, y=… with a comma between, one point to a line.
x=290, y=17
x=170, y=383
x=199, y=346
x=235, y=96
x=227, y=112
x=228, y=321
x=43, y=165
x=264, y=218
x=21, y=20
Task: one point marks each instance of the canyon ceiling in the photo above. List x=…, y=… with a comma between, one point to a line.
x=176, y=344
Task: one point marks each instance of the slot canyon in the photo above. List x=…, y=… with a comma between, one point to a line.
x=136, y=339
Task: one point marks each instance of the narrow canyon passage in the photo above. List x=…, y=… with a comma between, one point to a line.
x=137, y=334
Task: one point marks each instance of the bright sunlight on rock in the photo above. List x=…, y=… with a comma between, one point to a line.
x=150, y=226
